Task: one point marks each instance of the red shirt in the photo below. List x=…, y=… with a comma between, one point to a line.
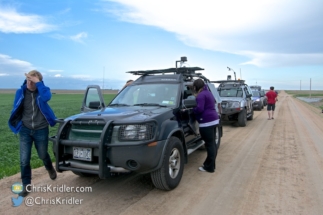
x=271, y=97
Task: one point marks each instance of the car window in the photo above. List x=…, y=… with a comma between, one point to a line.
x=231, y=92
x=256, y=93
x=246, y=91
x=161, y=94
x=92, y=95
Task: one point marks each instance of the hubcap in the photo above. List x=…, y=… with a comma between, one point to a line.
x=174, y=163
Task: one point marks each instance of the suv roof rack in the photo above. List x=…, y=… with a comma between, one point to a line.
x=229, y=81
x=181, y=70
x=187, y=72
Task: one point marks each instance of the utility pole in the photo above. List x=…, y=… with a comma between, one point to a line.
x=240, y=74
x=310, y=87
x=103, y=80
x=300, y=84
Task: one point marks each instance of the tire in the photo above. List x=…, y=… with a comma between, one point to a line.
x=242, y=118
x=217, y=136
x=171, y=171
x=82, y=174
x=251, y=116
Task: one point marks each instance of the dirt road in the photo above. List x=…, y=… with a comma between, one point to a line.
x=268, y=167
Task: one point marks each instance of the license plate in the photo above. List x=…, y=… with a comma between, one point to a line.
x=80, y=153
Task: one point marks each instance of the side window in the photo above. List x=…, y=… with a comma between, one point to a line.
x=249, y=89
x=246, y=91
x=92, y=96
x=93, y=99
x=187, y=91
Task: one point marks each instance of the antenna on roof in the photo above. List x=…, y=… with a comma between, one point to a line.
x=235, y=78
x=183, y=59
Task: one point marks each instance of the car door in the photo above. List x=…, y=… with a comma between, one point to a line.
x=248, y=98
x=188, y=117
x=216, y=96
x=93, y=99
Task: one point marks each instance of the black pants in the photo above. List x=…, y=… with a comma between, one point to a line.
x=208, y=135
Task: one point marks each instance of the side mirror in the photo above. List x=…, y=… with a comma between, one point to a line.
x=95, y=105
x=249, y=95
x=189, y=103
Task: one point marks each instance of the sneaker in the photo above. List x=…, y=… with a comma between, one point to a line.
x=52, y=174
x=201, y=168
x=24, y=192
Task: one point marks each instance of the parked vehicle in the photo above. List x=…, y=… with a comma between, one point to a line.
x=143, y=129
x=263, y=94
x=236, y=101
x=258, y=100
x=255, y=87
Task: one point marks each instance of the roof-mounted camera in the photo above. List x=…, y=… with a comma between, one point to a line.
x=182, y=61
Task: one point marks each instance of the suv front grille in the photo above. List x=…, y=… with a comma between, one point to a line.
x=86, y=130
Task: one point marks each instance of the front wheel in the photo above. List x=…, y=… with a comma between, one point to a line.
x=251, y=115
x=171, y=171
x=242, y=118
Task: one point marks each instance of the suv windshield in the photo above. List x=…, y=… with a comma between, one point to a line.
x=256, y=93
x=230, y=92
x=148, y=95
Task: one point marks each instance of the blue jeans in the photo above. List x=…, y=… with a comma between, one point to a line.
x=40, y=139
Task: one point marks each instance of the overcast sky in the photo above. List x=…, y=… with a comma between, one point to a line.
x=80, y=42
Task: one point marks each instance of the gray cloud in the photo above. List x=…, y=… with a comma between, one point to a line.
x=270, y=33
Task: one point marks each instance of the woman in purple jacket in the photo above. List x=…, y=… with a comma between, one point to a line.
x=208, y=119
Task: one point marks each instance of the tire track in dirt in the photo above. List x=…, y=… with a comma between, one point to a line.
x=281, y=184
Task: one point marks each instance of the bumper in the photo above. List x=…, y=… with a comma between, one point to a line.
x=106, y=156
x=229, y=113
x=140, y=158
x=256, y=104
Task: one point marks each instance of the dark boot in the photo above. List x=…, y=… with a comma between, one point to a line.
x=24, y=192
x=52, y=174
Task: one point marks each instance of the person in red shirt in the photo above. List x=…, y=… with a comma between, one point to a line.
x=271, y=98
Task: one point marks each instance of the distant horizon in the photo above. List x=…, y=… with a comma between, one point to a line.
x=7, y=89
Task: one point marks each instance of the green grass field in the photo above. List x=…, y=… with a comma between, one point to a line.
x=308, y=93
x=63, y=105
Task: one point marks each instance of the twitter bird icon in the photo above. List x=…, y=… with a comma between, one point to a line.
x=17, y=201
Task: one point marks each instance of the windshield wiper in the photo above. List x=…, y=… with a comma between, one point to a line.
x=118, y=104
x=149, y=104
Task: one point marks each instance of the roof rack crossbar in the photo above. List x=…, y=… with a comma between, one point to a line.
x=227, y=81
x=181, y=70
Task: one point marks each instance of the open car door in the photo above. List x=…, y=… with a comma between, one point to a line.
x=93, y=99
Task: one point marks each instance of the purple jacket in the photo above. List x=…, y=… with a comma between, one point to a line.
x=205, y=109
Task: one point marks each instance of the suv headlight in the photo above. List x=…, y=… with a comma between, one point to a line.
x=136, y=132
x=233, y=104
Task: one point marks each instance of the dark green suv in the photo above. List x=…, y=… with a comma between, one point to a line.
x=143, y=129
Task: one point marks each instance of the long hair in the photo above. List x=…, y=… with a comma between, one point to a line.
x=198, y=84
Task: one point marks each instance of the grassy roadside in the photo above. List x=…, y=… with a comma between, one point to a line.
x=308, y=94
x=63, y=106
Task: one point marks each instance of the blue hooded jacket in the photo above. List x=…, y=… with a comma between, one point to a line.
x=43, y=96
